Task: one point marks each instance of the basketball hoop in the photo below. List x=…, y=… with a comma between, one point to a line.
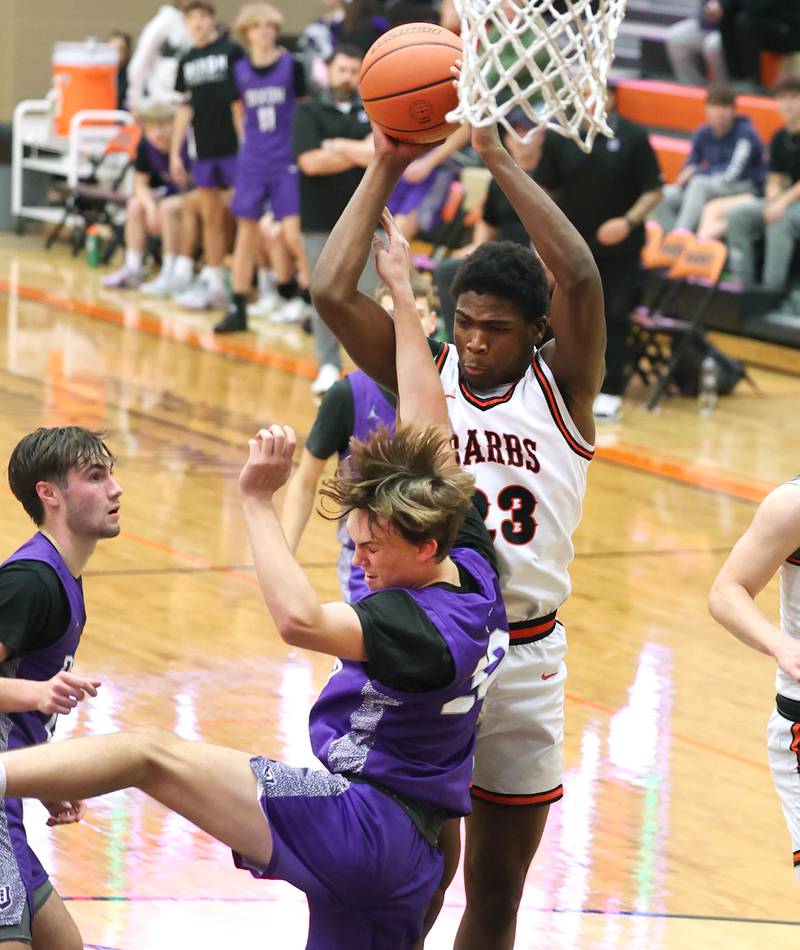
x=529, y=55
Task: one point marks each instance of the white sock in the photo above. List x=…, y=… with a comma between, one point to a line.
x=167, y=264
x=2, y=781
x=266, y=281
x=216, y=278
x=133, y=259
x=183, y=268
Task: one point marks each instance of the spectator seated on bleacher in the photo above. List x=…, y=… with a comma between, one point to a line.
x=776, y=216
x=751, y=27
x=155, y=206
x=726, y=158
x=315, y=44
x=696, y=42
x=498, y=221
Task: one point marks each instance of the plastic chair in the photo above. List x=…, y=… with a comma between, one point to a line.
x=93, y=203
x=650, y=326
x=701, y=262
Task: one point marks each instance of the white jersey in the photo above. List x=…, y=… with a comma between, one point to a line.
x=790, y=614
x=530, y=464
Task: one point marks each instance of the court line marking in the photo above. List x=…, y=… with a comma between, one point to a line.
x=595, y=911
x=608, y=449
x=678, y=470
x=322, y=565
x=671, y=734
x=629, y=455
x=153, y=325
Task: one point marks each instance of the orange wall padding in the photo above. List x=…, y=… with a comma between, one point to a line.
x=670, y=105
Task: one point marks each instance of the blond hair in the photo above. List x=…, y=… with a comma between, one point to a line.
x=420, y=287
x=253, y=14
x=155, y=111
x=410, y=479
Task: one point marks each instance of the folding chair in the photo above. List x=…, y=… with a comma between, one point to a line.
x=94, y=203
x=701, y=263
x=649, y=325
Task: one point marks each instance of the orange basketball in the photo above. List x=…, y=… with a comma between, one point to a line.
x=406, y=84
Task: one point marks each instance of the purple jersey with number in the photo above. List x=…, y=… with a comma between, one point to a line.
x=371, y=409
x=269, y=101
x=419, y=745
x=32, y=728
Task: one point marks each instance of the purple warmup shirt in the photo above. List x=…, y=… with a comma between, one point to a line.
x=419, y=745
x=371, y=409
x=32, y=728
x=155, y=163
x=269, y=102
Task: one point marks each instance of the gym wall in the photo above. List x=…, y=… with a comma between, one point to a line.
x=29, y=28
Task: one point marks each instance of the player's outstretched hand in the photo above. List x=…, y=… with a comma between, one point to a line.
x=64, y=813
x=62, y=693
x=401, y=152
x=393, y=262
x=787, y=655
x=270, y=462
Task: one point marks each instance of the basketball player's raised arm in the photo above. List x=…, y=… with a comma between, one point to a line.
x=300, y=618
x=577, y=355
x=421, y=400
x=772, y=537
x=362, y=326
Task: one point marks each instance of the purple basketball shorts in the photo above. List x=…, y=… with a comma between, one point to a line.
x=23, y=874
x=214, y=172
x=256, y=188
x=367, y=872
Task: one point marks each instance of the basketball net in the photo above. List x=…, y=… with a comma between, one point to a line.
x=528, y=55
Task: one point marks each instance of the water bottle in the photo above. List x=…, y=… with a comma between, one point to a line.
x=708, y=388
x=94, y=245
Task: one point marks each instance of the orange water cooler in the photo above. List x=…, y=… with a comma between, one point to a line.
x=84, y=77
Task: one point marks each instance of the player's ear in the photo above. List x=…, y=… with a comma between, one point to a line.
x=427, y=550
x=48, y=494
x=538, y=330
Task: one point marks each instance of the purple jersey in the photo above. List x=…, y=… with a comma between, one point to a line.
x=269, y=100
x=30, y=728
x=153, y=162
x=371, y=409
x=419, y=745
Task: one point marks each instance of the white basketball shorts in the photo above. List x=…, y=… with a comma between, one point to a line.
x=519, y=751
x=783, y=743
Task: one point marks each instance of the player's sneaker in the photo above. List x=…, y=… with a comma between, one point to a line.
x=202, y=297
x=327, y=376
x=607, y=408
x=290, y=311
x=232, y=322
x=163, y=286
x=126, y=278
x=265, y=306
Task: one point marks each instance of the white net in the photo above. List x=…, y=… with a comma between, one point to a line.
x=549, y=58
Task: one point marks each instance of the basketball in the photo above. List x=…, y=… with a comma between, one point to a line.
x=406, y=84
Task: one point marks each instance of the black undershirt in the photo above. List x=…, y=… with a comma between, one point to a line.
x=34, y=610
